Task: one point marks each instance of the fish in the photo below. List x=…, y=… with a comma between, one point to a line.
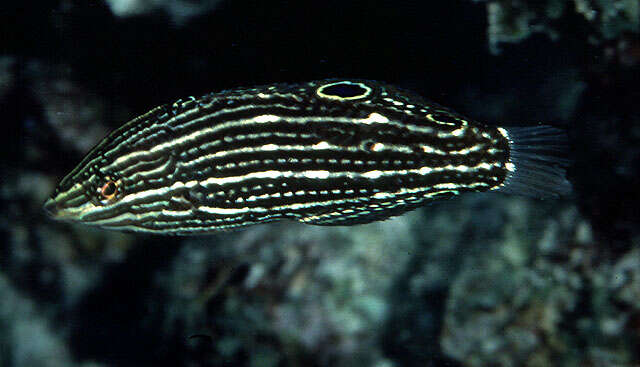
x=325, y=152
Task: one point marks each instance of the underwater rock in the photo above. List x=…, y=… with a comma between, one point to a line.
x=179, y=11
x=289, y=290
x=338, y=294
x=559, y=305
x=27, y=338
x=493, y=319
x=511, y=21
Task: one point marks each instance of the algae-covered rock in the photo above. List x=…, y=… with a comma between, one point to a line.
x=547, y=299
x=291, y=290
x=512, y=21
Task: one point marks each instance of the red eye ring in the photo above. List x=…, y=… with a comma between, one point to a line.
x=109, y=189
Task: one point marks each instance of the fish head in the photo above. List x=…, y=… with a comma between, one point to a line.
x=86, y=191
x=111, y=185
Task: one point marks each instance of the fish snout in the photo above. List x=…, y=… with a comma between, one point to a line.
x=51, y=207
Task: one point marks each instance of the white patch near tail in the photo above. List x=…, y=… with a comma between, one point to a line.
x=537, y=162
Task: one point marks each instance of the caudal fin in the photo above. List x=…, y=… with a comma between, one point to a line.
x=537, y=162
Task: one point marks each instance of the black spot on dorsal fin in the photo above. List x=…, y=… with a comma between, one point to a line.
x=344, y=90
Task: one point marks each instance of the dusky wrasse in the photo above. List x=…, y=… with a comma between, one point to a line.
x=328, y=152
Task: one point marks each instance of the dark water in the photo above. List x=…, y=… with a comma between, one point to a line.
x=483, y=280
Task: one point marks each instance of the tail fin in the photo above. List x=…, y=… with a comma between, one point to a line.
x=537, y=162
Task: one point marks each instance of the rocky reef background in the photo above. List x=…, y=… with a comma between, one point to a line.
x=483, y=280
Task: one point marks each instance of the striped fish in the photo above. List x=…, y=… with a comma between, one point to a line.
x=329, y=152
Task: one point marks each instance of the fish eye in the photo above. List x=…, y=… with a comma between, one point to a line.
x=108, y=191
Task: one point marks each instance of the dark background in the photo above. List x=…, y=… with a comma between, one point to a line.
x=64, y=60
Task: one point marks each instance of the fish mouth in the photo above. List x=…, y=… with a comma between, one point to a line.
x=51, y=208
x=55, y=211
